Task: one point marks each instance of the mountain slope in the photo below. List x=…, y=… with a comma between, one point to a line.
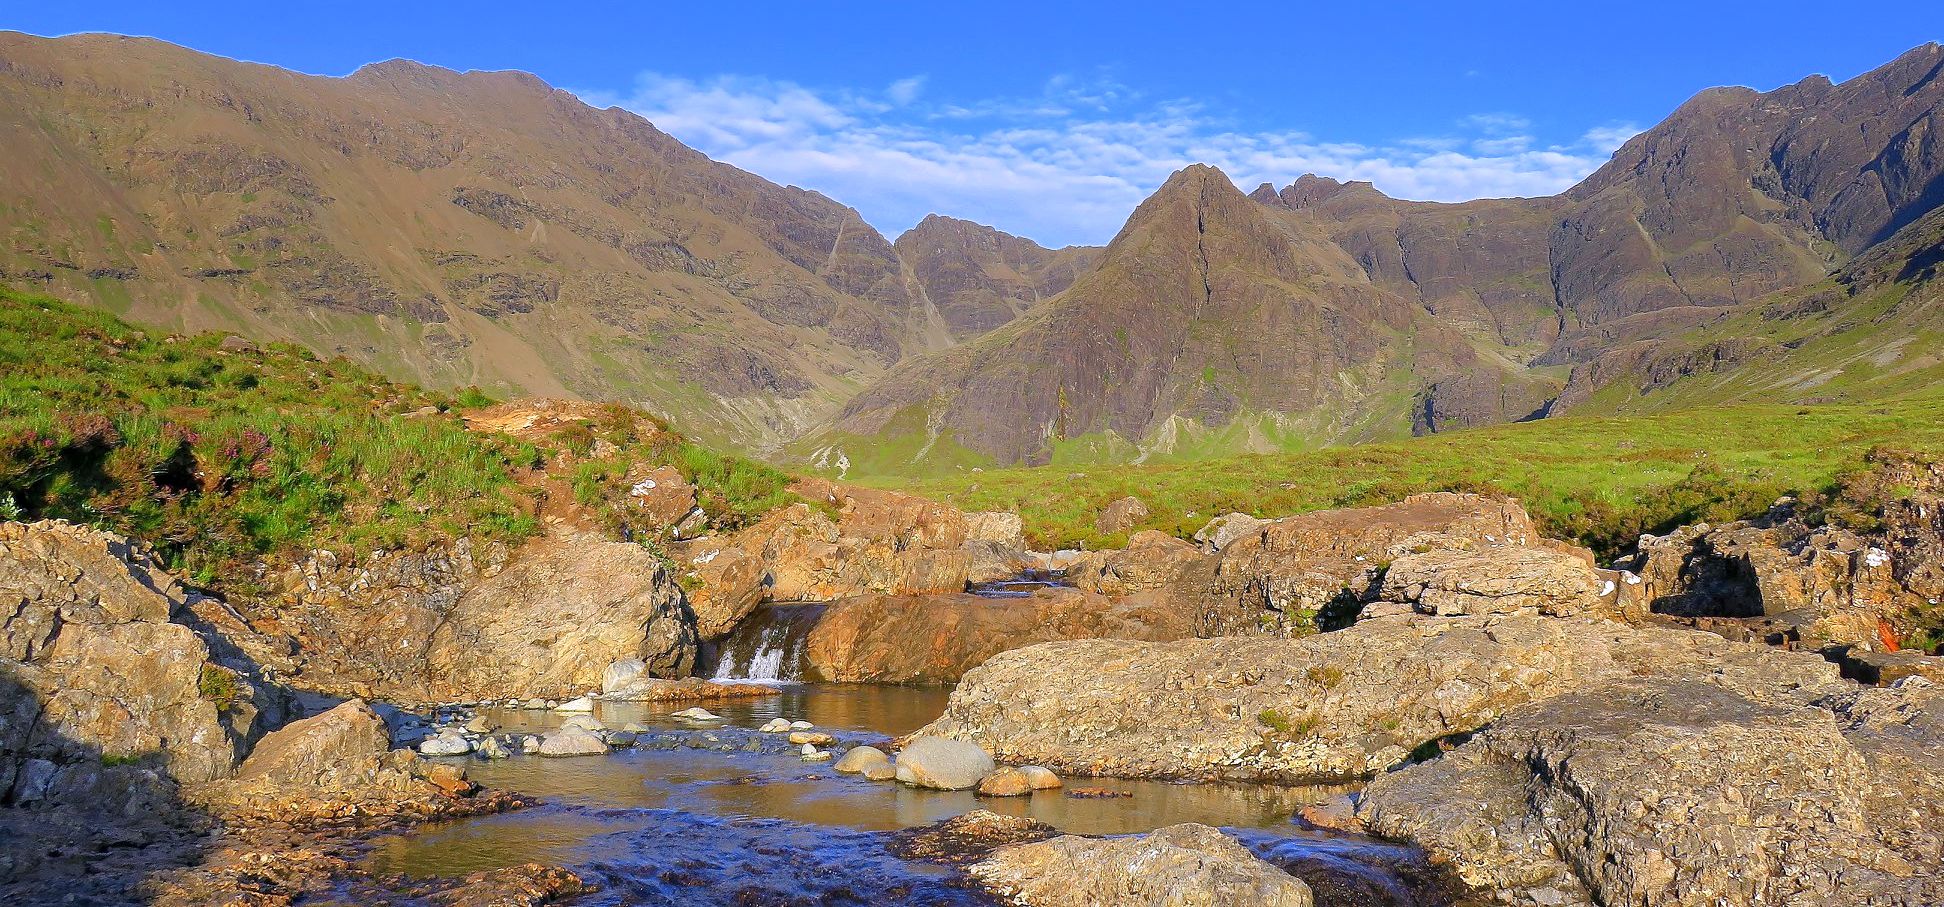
x=1360, y=317
x=1208, y=315
x=978, y=278
x=447, y=227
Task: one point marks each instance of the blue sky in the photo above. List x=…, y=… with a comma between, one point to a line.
x=1053, y=120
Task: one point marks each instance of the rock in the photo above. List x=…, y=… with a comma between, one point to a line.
x=1040, y=777
x=572, y=742
x=1667, y=791
x=564, y=607
x=776, y=726
x=582, y=704
x=937, y=638
x=942, y=764
x=1292, y=576
x=1330, y=707
x=1493, y=581
x=998, y=527
x=1225, y=529
x=1884, y=668
x=880, y=771
x=664, y=496
x=1775, y=579
x=966, y=838
x=1005, y=781
x=685, y=689
x=731, y=585
x=812, y=738
x=492, y=748
x=801, y=725
x=860, y=758
x=480, y=725
x=445, y=744
x=991, y=562
x=1121, y=515
x=319, y=768
x=810, y=753
x=880, y=542
x=587, y=723
x=92, y=665
x=696, y=713
x=1152, y=562
x=1178, y=866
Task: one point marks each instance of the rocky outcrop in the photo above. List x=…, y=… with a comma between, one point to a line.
x=1293, y=573
x=1152, y=562
x=1682, y=792
x=1333, y=706
x=729, y=584
x=937, y=638
x=1177, y=866
x=1783, y=580
x=93, y=666
x=549, y=623
x=1496, y=580
x=852, y=542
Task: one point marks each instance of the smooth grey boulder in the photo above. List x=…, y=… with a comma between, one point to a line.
x=943, y=764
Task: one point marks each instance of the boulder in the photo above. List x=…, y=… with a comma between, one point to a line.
x=579, y=704
x=697, y=713
x=1039, y=777
x=1330, y=707
x=1121, y=515
x=1225, y=529
x=877, y=542
x=860, y=758
x=572, y=742
x=1494, y=580
x=998, y=527
x=937, y=638
x=587, y=723
x=1673, y=791
x=942, y=764
x=562, y=610
x=341, y=749
x=1005, y=782
x=450, y=743
x=812, y=738
x=1178, y=866
x=665, y=496
x=1152, y=562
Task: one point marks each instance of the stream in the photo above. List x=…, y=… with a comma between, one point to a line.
x=689, y=816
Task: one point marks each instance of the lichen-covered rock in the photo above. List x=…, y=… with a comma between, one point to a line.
x=1333, y=706
x=937, y=638
x=1493, y=580
x=1178, y=866
x=1665, y=792
x=1121, y=515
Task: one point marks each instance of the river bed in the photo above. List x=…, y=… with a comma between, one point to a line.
x=700, y=822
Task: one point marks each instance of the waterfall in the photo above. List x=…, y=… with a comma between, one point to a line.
x=768, y=645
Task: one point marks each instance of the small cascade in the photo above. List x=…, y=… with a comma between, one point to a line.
x=768, y=644
x=1019, y=586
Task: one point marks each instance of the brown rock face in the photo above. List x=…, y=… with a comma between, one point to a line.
x=1671, y=792
x=1333, y=706
x=979, y=278
x=91, y=665
x=1176, y=866
x=879, y=542
x=937, y=638
x=1493, y=581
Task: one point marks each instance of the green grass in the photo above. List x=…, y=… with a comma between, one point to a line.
x=1601, y=481
x=221, y=457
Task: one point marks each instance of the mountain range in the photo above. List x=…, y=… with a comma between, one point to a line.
x=484, y=228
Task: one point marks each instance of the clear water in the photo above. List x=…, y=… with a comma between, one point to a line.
x=767, y=646
x=703, y=826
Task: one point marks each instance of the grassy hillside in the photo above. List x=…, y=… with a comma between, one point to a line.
x=1602, y=481
x=221, y=454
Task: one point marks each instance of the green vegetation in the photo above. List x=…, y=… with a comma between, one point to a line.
x=221, y=456
x=1601, y=481
x=218, y=685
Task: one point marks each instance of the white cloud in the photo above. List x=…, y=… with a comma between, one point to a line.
x=1066, y=165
